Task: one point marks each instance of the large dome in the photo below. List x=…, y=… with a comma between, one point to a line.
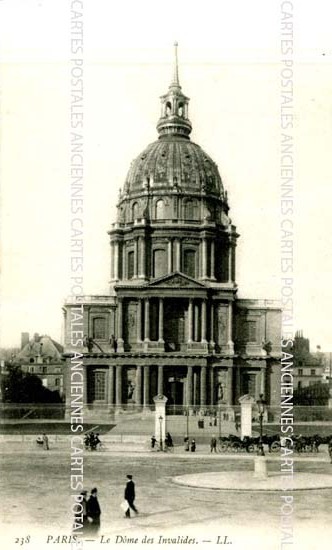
x=174, y=162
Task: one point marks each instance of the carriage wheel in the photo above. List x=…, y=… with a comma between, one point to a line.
x=275, y=447
x=235, y=446
x=223, y=447
x=251, y=448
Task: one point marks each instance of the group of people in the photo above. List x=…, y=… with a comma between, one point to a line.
x=168, y=441
x=189, y=445
x=92, y=441
x=89, y=513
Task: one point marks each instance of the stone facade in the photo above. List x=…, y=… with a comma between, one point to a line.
x=173, y=310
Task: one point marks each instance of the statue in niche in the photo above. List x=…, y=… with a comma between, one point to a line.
x=220, y=391
x=130, y=389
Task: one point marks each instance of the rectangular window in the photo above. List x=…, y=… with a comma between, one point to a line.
x=313, y=372
x=300, y=372
x=131, y=259
x=99, y=328
x=189, y=263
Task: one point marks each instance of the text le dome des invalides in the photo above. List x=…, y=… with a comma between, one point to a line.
x=172, y=323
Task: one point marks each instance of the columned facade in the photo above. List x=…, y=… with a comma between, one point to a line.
x=172, y=323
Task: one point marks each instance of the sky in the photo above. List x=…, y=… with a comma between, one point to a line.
x=230, y=66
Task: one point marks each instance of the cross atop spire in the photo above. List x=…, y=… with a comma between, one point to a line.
x=175, y=80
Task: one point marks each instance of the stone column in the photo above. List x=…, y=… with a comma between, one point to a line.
x=116, y=260
x=204, y=258
x=142, y=257
x=111, y=385
x=146, y=387
x=147, y=320
x=203, y=386
x=124, y=261
x=118, y=387
x=212, y=323
x=139, y=321
x=237, y=382
x=230, y=251
x=246, y=415
x=229, y=396
x=230, y=343
x=196, y=388
x=190, y=321
x=178, y=255
x=120, y=324
x=263, y=380
x=135, y=258
x=170, y=256
x=212, y=272
x=196, y=322
x=161, y=321
x=203, y=336
x=112, y=260
x=189, y=392
x=160, y=380
x=211, y=386
x=138, y=389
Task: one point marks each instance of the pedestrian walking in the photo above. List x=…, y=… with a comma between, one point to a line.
x=193, y=446
x=93, y=512
x=129, y=495
x=45, y=443
x=153, y=442
x=213, y=444
x=186, y=443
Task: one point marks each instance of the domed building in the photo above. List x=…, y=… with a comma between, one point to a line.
x=172, y=323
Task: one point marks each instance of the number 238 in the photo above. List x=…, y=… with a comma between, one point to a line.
x=22, y=540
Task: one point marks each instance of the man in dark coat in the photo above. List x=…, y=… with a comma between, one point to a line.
x=93, y=512
x=129, y=495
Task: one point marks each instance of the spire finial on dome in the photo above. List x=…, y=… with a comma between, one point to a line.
x=175, y=79
x=174, y=107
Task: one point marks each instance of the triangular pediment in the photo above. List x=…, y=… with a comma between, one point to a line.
x=176, y=280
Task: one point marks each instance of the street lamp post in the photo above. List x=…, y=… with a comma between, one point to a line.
x=187, y=419
x=161, y=433
x=261, y=409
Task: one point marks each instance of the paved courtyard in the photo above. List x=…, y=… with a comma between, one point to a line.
x=36, y=500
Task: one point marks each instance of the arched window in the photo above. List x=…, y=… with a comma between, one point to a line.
x=160, y=210
x=99, y=328
x=131, y=258
x=168, y=108
x=159, y=263
x=189, y=263
x=135, y=211
x=180, y=109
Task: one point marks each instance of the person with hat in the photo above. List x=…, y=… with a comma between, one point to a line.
x=93, y=512
x=129, y=495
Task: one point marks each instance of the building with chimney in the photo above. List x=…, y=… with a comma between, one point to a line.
x=42, y=356
x=172, y=323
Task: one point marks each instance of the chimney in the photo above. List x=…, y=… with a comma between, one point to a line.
x=24, y=339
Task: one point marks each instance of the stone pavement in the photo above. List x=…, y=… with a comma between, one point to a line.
x=36, y=500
